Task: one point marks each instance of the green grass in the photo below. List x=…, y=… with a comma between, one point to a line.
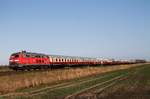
x=136, y=86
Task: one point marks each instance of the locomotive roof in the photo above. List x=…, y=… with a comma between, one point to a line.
x=60, y=56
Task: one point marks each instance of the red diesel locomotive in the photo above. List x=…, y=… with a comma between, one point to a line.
x=27, y=61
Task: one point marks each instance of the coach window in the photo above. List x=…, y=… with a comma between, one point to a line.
x=32, y=56
x=56, y=59
x=59, y=60
x=37, y=56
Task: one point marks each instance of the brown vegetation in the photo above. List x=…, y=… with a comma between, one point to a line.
x=31, y=79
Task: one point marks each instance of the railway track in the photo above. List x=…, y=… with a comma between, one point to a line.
x=5, y=73
x=12, y=72
x=8, y=73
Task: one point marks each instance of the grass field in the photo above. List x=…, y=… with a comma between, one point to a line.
x=136, y=86
x=88, y=82
x=4, y=68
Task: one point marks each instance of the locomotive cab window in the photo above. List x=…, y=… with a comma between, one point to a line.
x=15, y=55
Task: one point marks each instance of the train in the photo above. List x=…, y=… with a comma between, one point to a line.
x=24, y=60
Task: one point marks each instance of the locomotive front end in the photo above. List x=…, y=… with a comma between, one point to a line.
x=14, y=61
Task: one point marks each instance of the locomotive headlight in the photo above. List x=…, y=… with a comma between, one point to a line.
x=10, y=60
x=16, y=60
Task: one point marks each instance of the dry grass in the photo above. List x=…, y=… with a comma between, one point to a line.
x=12, y=82
x=4, y=68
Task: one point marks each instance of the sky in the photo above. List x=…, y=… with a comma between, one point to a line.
x=93, y=28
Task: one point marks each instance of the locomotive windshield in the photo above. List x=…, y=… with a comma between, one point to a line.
x=15, y=55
